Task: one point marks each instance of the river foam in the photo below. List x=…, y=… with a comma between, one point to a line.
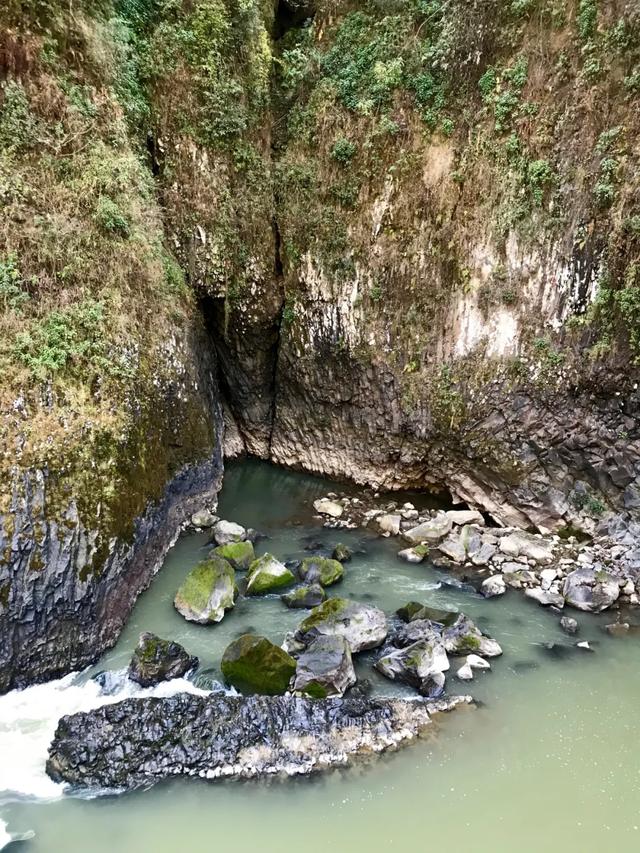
x=28, y=720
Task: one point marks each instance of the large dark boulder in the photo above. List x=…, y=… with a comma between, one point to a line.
x=141, y=741
x=253, y=664
x=325, y=668
x=155, y=660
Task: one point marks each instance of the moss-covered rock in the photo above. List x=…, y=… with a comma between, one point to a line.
x=267, y=574
x=414, y=611
x=363, y=626
x=321, y=570
x=239, y=554
x=305, y=596
x=155, y=660
x=207, y=591
x=464, y=637
x=253, y=664
x=325, y=668
x=342, y=553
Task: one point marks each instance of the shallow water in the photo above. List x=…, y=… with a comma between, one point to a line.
x=548, y=759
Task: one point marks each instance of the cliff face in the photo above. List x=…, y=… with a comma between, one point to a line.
x=399, y=244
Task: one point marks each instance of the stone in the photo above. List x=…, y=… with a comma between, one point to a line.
x=203, y=518
x=325, y=668
x=476, y=662
x=465, y=673
x=325, y=506
x=305, y=596
x=547, y=577
x=521, y=544
x=363, y=626
x=461, y=517
x=453, y=547
x=493, y=586
x=155, y=660
x=266, y=574
x=414, y=555
x=387, y=524
x=414, y=611
x=207, y=592
x=629, y=588
x=484, y=554
x=590, y=590
x=421, y=665
x=418, y=629
x=584, y=645
x=225, y=532
x=253, y=664
x=239, y=554
x=545, y=597
x=431, y=531
x=569, y=625
x=138, y=742
x=342, y=553
x=617, y=629
x=321, y=570
x=463, y=637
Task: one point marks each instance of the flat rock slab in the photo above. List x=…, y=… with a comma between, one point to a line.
x=138, y=742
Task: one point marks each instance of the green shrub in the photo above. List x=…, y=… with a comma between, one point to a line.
x=343, y=150
x=587, y=18
x=539, y=175
x=110, y=218
x=12, y=292
x=17, y=122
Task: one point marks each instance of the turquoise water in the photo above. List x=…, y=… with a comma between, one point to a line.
x=546, y=760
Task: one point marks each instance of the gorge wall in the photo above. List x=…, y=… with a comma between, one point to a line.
x=398, y=243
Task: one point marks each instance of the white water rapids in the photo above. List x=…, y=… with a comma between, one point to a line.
x=28, y=720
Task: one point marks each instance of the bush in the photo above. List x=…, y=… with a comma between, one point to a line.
x=12, y=293
x=17, y=123
x=110, y=218
x=343, y=150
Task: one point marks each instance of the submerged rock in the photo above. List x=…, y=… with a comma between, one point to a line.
x=363, y=626
x=239, y=554
x=266, y=574
x=138, y=742
x=591, y=590
x=321, y=570
x=342, y=553
x=421, y=665
x=155, y=660
x=225, y=532
x=325, y=668
x=305, y=596
x=207, y=591
x=569, y=625
x=253, y=664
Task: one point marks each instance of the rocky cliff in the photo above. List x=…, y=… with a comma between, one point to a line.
x=397, y=243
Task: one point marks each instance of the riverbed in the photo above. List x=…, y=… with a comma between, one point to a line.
x=547, y=759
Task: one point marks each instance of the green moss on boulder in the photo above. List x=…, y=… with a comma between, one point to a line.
x=239, y=554
x=253, y=664
x=321, y=570
x=267, y=574
x=207, y=591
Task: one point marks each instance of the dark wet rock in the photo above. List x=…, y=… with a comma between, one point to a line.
x=591, y=590
x=307, y=596
x=342, y=553
x=321, y=570
x=266, y=574
x=253, y=664
x=138, y=742
x=557, y=651
x=325, y=668
x=239, y=554
x=569, y=625
x=363, y=626
x=463, y=637
x=521, y=667
x=414, y=610
x=315, y=545
x=155, y=660
x=207, y=591
x=618, y=629
x=421, y=665
x=418, y=629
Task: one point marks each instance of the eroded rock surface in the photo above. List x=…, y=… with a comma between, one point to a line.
x=140, y=741
x=155, y=660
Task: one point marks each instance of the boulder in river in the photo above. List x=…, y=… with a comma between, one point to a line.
x=139, y=742
x=463, y=637
x=414, y=555
x=342, y=553
x=493, y=586
x=325, y=506
x=363, y=626
x=591, y=590
x=225, y=532
x=266, y=574
x=421, y=665
x=239, y=554
x=253, y=664
x=414, y=610
x=203, y=518
x=569, y=625
x=307, y=596
x=155, y=660
x=325, y=668
x=545, y=597
x=321, y=570
x=431, y=531
x=207, y=591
